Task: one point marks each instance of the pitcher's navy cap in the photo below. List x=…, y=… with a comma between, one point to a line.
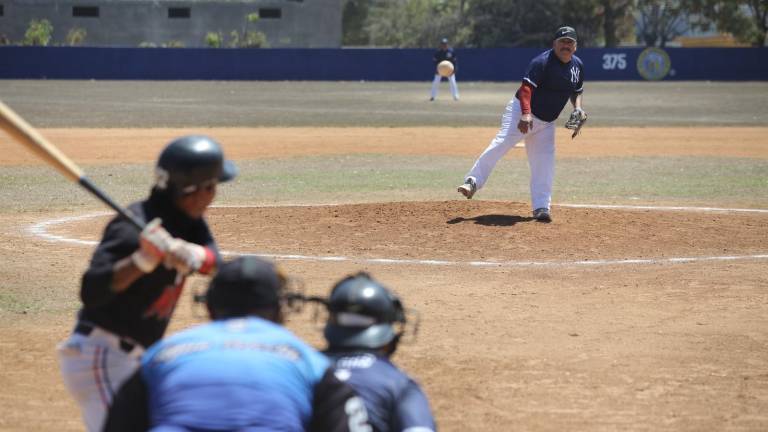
x=565, y=32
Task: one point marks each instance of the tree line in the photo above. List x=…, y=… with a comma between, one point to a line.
x=530, y=23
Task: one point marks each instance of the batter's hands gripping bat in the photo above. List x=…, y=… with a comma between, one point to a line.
x=25, y=134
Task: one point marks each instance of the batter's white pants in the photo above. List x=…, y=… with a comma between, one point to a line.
x=539, y=146
x=451, y=81
x=94, y=367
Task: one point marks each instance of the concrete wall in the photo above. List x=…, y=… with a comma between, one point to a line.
x=129, y=23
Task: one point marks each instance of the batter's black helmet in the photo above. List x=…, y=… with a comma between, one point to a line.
x=362, y=314
x=191, y=161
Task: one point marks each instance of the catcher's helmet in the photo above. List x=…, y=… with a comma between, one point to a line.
x=362, y=313
x=191, y=161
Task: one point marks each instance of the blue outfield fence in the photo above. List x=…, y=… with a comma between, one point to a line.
x=495, y=64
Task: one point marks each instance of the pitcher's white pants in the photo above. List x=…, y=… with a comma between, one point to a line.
x=539, y=146
x=94, y=367
x=451, y=81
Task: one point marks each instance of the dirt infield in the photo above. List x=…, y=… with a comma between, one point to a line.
x=525, y=326
x=111, y=146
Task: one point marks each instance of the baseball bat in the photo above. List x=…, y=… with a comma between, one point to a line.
x=25, y=134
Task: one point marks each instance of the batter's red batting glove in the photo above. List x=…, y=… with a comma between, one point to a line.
x=154, y=241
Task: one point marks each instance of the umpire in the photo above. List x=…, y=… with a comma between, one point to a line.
x=243, y=371
x=134, y=279
x=364, y=327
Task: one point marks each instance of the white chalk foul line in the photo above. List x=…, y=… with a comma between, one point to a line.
x=40, y=230
x=503, y=264
x=662, y=208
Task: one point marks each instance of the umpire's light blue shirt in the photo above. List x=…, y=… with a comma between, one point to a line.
x=244, y=373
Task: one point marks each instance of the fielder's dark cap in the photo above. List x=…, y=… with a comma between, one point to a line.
x=444, y=40
x=244, y=284
x=565, y=32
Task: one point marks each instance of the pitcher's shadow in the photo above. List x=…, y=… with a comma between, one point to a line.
x=492, y=220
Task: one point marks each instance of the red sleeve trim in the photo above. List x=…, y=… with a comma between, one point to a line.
x=524, y=96
x=209, y=263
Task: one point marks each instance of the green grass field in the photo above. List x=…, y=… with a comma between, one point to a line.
x=111, y=104
x=379, y=178
x=143, y=104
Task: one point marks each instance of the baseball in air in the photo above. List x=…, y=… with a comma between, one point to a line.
x=445, y=68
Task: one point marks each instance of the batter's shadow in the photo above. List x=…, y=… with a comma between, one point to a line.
x=492, y=220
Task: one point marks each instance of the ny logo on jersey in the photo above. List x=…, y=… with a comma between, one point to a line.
x=574, y=75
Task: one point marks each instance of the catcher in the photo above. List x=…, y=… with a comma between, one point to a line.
x=552, y=78
x=365, y=324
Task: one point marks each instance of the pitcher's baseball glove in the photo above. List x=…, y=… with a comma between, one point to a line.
x=576, y=121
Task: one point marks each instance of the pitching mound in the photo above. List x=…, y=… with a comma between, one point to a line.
x=468, y=231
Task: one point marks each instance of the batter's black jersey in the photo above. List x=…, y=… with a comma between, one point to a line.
x=143, y=310
x=394, y=401
x=446, y=54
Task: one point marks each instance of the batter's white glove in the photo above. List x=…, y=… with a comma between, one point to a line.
x=154, y=241
x=185, y=257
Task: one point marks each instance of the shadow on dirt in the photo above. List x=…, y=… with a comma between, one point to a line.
x=492, y=220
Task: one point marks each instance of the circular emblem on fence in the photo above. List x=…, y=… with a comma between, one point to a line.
x=653, y=64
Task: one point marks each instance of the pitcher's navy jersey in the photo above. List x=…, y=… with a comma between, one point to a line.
x=245, y=373
x=554, y=82
x=394, y=401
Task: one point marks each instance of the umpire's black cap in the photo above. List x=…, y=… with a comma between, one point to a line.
x=565, y=32
x=244, y=284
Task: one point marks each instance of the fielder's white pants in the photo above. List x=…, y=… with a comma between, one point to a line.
x=451, y=81
x=539, y=146
x=94, y=367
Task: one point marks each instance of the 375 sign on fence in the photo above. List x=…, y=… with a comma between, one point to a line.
x=613, y=61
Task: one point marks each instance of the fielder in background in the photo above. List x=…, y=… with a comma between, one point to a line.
x=552, y=78
x=444, y=53
x=135, y=278
x=362, y=337
x=243, y=371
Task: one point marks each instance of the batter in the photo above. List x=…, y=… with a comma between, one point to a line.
x=134, y=280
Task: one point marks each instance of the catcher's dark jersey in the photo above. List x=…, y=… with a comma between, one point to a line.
x=446, y=54
x=143, y=310
x=554, y=82
x=394, y=401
